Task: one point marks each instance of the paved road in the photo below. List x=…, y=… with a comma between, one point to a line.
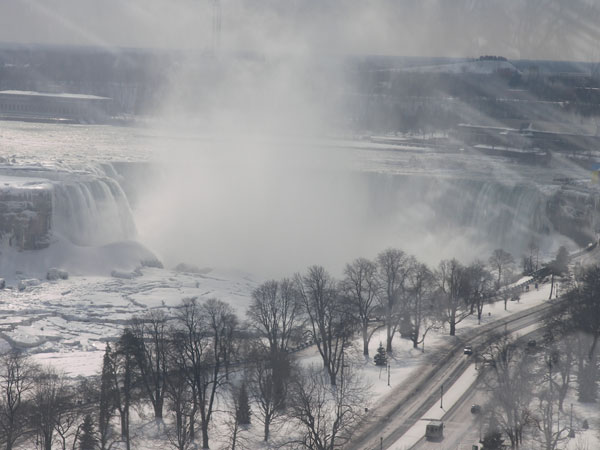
x=416, y=396
x=461, y=427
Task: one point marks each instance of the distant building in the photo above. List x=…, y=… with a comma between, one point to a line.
x=40, y=106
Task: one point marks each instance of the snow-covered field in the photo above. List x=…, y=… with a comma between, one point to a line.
x=66, y=323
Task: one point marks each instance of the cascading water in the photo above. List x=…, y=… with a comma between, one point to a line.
x=91, y=210
x=495, y=213
x=508, y=215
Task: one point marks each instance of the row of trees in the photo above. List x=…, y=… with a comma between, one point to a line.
x=43, y=406
x=203, y=341
x=528, y=385
x=202, y=360
x=185, y=370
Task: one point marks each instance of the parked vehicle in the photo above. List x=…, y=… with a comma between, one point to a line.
x=434, y=430
x=468, y=350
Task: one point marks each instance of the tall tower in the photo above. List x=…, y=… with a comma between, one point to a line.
x=216, y=26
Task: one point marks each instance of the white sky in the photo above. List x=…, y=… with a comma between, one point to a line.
x=540, y=29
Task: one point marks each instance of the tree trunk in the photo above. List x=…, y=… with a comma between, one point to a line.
x=205, y=435
x=267, y=430
x=158, y=409
x=415, y=337
x=388, y=346
x=193, y=421
x=365, y=333
x=125, y=429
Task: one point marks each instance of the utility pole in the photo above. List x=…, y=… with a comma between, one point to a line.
x=442, y=396
x=571, y=430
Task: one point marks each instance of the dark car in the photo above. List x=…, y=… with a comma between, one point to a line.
x=475, y=409
x=468, y=350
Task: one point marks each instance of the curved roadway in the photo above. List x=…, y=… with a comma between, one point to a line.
x=416, y=396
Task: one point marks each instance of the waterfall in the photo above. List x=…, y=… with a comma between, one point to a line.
x=91, y=210
x=502, y=214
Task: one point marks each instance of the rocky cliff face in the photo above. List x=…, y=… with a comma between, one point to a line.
x=26, y=215
x=575, y=214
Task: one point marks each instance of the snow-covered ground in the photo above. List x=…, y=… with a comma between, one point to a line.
x=66, y=323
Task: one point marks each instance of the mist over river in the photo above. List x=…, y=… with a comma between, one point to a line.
x=272, y=205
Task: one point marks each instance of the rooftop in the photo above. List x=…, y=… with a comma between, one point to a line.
x=54, y=95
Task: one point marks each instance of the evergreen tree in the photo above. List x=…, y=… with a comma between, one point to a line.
x=107, y=397
x=380, y=357
x=88, y=439
x=493, y=441
x=242, y=406
x=124, y=379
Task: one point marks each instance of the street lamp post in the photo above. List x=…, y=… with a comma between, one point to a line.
x=388, y=367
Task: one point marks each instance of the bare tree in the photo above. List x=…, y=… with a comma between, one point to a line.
x=501, y=261
x=50, y=399
x=478, y=287
x=547, y=414
x=561, y=342
x=361, y=287
x=331, y=322
x=181, y=402
x=327, y=414
x=236, y=438
x=507, y=294
x=451, y=278
x=150, y=333
x=508, y=376
x=275, y=313
x=16, y=384
x=393, y=266
x=420, y=313
x=269, y=379
x=202, y=344
x=67, y=422
x=584, y=316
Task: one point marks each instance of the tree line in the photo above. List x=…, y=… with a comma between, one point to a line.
x=529, y=383
x=188, y=367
